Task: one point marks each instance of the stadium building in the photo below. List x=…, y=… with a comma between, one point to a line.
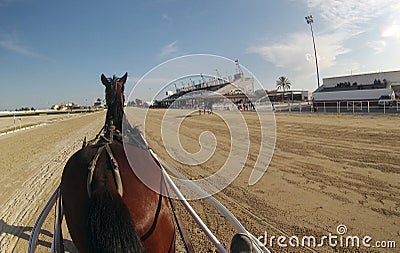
x=212, y=93
x=362, y=87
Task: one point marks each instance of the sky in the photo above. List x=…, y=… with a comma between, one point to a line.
x=55, y=51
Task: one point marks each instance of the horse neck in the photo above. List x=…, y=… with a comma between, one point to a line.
x=115, y=113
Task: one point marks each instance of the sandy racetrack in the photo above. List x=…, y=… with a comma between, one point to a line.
x=31, y=165
x=327, y=170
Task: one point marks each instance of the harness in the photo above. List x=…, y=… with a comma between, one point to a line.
x=103, y=139
x=103, y=142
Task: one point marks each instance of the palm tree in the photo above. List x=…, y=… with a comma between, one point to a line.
x=283, y=83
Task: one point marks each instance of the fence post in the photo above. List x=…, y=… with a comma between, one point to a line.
x=347, y=105
x=368, y=105
x=353, y=106
x=324, y=107
x=384, y=108
x=300, y=106
x=361, y=105
x=397, y=105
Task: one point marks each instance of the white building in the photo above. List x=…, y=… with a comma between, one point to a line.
x=360, y=87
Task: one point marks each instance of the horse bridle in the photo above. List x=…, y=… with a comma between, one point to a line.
x=113, y=83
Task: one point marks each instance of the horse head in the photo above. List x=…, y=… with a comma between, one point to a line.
x=115, y=99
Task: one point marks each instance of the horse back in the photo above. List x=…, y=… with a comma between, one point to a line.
x=149, y=210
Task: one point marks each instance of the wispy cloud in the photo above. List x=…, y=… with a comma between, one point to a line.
x=392, y=30
x=7, y=2
x=4, y=2
x=297, y=49
x=165, y=17
x=10, y=42
x=350, y=15
x=169, y=49
x=340, y=21
x=378, y=45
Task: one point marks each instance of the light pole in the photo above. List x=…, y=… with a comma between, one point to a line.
x=310, y=20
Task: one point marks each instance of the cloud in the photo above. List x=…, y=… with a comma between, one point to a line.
x=378, y=45
x=11, y=43
x=392, y=30
x=349, y=15
x=340, y=22
x=165, y=17
x=4, y=3
x=169, y=49
x=355, y=17
x=297, y=49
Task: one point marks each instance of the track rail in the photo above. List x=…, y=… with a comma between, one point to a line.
x=258, y=246
x=33, y=239
x=221, y=208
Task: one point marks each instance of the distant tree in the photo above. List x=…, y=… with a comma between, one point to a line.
x=138, y=101
x=98, y=102
x=284, y=84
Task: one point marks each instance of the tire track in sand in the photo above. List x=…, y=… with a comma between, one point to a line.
x=20, y=211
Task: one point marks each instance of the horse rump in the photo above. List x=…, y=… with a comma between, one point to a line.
x=111, y=229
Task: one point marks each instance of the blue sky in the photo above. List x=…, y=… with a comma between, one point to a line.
x=55, y=51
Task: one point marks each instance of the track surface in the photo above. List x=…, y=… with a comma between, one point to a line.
x=31, y=165
x=326, y=170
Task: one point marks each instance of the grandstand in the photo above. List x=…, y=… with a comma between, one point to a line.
x=215, y=92
x=361, y=87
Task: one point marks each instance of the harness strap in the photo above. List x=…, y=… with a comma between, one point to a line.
x=155, y=220
x=153, y=225
x=104, y=143
x=91, y=170
x=115, y=170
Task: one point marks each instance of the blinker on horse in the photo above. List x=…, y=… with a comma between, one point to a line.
x=106, y=206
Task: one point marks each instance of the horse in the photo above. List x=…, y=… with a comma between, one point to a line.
x=106, y=206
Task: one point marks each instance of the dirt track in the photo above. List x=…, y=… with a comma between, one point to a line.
x=31, y=165
x=326, y=170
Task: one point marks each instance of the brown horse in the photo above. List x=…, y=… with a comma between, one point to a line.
x=106, y=206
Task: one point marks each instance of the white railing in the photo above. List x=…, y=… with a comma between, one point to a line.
x=340, y=107
x=33, y=239
x=258, y=246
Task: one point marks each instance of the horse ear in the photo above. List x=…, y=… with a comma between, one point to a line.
x=104, y=79
x=123, y=78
